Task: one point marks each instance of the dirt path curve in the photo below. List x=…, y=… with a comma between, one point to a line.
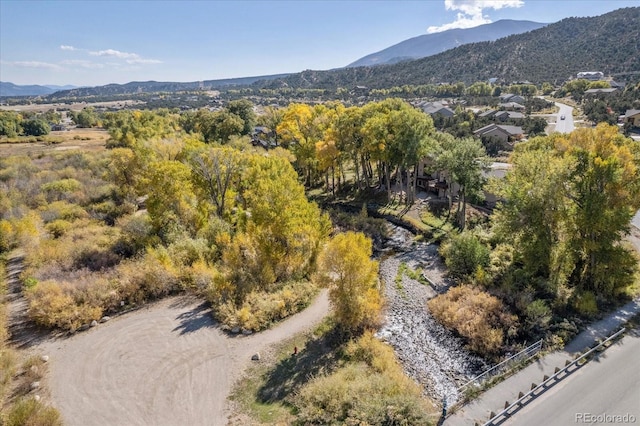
x=22, y=332
x=167, y=364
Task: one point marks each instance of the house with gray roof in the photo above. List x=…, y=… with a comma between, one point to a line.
x=502, y=132
x=433, y=108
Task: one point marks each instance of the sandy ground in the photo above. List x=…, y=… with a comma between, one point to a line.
x=167, y=364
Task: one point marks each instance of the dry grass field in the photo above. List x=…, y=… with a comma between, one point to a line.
x=85, y=139
x=77, y=106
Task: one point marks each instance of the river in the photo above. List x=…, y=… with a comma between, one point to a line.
x=428, y=352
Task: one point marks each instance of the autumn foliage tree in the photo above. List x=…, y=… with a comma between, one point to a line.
x=569, y=203
x=345, y=266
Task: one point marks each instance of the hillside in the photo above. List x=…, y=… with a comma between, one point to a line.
x=431, y=44
x=10, y=89
x=156, y=86
x=554, y=53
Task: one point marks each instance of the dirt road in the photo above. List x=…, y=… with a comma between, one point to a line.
x=167, y=364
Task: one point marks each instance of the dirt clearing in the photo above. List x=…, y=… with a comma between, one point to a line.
x=166, y=364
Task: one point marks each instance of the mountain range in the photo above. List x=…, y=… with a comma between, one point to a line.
x=10, y=89
x=609, y=43
x=431, y=44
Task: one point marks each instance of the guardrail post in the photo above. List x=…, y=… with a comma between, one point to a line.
x=556, y=370
x=520, y=395
x=533, y=386
x=545, y=378
x=506, y=404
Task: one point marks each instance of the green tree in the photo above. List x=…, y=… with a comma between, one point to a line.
x=464, y=160
x=464, y=254
x=345, y=266
x=10, y=124
x=536, y=217
x=243, y=108
x=606, y=193
x=35, y=127
x=86, y=118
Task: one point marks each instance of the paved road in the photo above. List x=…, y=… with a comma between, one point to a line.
x=566, y=125
x=494, y=398
x=609, y=384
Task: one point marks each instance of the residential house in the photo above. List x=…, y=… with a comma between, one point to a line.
x=501, y=132
x=591, y=75
x=264, y=137
x=632, y=116
x=512, y=106
x=510, y=97
x=55, y=127
x=488, y=113
x=607, y=91
x=439, y=182
x=509, y=115
x=616, y=85
x=435, y=181
x=433, y=108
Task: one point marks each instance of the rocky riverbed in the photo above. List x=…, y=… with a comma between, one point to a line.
x=429, y=353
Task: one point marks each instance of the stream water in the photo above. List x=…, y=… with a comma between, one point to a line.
x=429, y=353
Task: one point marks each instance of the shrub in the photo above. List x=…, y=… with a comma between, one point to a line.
x=585, y=304
x=476, y=315
x=538, y=316
x=52, y=305
x=29, y=411
x=463, y=254
x=370, y=390
x=260, y=309
x=58, y=227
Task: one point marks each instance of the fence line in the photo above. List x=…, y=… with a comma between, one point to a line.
x=547, y=380
x=527, y=353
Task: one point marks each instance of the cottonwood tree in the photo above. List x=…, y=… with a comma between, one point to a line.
x=215, y=173
x=345, y=266
x=464, y=159
x=569, y=200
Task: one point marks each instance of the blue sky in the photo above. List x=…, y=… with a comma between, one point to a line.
x=102, y=42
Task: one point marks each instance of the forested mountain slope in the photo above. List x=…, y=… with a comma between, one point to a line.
x=609, y=43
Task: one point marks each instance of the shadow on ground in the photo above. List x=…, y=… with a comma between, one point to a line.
x=319, y=357
x=195, y=319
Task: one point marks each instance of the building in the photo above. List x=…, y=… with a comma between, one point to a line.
x=632, y=116
x=591, y=75
x=501, y=132
x=433, y=108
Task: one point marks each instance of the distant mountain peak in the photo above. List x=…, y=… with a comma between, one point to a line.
x=431, y=44
x=10, y=89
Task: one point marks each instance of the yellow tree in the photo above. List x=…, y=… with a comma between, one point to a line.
x=302, y=126
x=328, y=156
x=346, y=267
x=606, y=191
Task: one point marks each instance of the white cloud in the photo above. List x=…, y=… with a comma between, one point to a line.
x=67, y=47
x=36, y=64
x=471, y=12
x=116, y=54
x=83, y=63
x=129, y=58
x=143, y=61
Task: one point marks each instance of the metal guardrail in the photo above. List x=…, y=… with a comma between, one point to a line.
x=525, y=354
x=547, y=380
